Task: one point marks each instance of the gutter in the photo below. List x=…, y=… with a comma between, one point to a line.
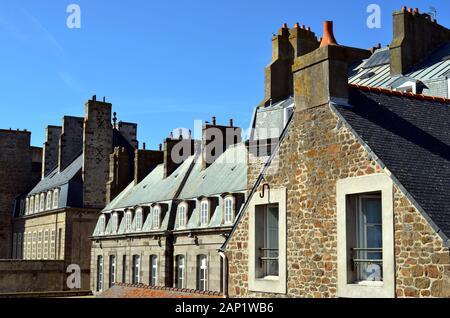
x=224, y=274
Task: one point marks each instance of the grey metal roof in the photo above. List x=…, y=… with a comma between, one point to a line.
x=56, y=179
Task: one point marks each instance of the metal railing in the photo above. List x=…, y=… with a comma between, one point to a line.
x=359, y=260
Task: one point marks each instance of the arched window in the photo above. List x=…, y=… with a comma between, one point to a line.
x=27, y=206
x=101, y=224
x=229, y=210
x=202, y=272
x=49, y=201
x=182, y=215
x=55, y=198
x=115, y=222
x=156, y=217
x=42, y=202
x=128, y=219
x=204, y=212
x=31, y=208
x=153, y=270
x=138, y=218
x=180, y=271
x=36, y=203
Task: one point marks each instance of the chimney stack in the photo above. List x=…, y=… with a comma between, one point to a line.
x=50, y=153
x=71, y=141
x=176, y=151
x=119, y=173
x=145, y=161
x=328, y=34
x=416, y=35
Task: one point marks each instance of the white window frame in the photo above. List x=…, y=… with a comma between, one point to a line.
x=55, y=198
x=355, y=186
x=36, y=203
x=42, y=202
x=53, y=244
x=49, y=201
x=156, y=217
x=100, y=272
x=202, y=272
x=31, y=207
x=29, y=245
x=115, y=222
x=229, y=210
x=27, y=207
x=182, y=215
x=128, y=221
x=270, y=284
x=112, y=270
x=46, y=243
x=204, y=217
x=136, y=269
x=180, y=268
x=139, y=219
x=153, y=270
x=39, y=245
x=33, y=247
x=24, y=245
x=102, y=224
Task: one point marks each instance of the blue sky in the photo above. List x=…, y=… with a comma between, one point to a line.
x=162, y=64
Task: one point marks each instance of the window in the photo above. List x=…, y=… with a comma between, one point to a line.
x=182, y=215
x=19, y=246
x=124, y=269
x=229, y=211
x=365, y=237
x=27, y=206
x=266, y=219
x=112, y=270
x=180, y=271
x=52, y=244
x=39, y=245
x=202, y=273
x=49, y=201
x=60, y=246
x=46, y=243
x=31, y=207
x=55, y=198
x=36, y=203
x=101, y=224
x=99, y=273
x=33, y=251
x=136, y=269
x=128, y=220
x=115, y=222
x=42, y=203
x=138, y=218
x=153, y=270
x=24, y=246
x=156, y=217
x=204, y=213
x=29, y=238
x=14, y=247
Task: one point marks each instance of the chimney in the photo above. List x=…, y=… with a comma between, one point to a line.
x=120, y=174
x=286, y=46
x=216, y=139
x=328, y=35
x=322, y=74
x=50, y=153
x=145, y=161
x=176, y=151
x=129, y=132
x=97, y=146
x=416, y=35
x=71, y=141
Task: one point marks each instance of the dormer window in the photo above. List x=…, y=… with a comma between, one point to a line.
x=229, y=210
x=55, y=199
x=49, y=201
x=156, y=217
x=36, y=203
x=182, y=215
x=27, y=206
x=42, y=202
x=115, y=222
x=101, y=224
x=138, y=219
x=204, y=212
x=128, y=219
x=31, y=207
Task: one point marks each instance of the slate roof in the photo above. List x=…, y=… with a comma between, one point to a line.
x=411, y=136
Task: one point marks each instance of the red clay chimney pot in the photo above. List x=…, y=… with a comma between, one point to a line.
x=328, y=36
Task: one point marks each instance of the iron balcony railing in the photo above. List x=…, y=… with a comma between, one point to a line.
x=358, y=259
x=265, y=257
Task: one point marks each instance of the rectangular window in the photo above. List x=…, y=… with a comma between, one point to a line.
x=36, y=203
x=52, y=244
x=49, y=201
x=46, y=243
x=204, y=213
x=29, y=238
x=99, y=273
x=60, y=245
x=153, y=270
x=33, y=251
x=156, y=217
x=112, y=270
x=19, y=245
x=24, y=246
x=14, y=247
x=42, y=203
x=202, y=273
x=266, y=220
x=55, y=199
x=124, y=269
x=181, y=216
x=39, y=245
x=136, y=269
x=228, y=213
x=180, y=271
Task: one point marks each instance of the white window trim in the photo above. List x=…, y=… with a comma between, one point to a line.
x=49, y=201
x=208, y=212
x=269, y=284
x=156, y=216
x=154, y=256
x=139, y=225
x=185, y=206
x=55, y=199
x=183, y=270
x=360, y=185
x=199, y=269
x=233, y=209
x=128, y=221
x=102, y=224
x=115, y=222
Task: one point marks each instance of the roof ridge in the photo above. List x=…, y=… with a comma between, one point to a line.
x=398, y=93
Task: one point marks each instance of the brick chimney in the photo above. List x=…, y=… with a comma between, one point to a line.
x=286, y=46
x=50, y=153
x=71, y=140
x=176, y=151
x=145, y=161
x=415, y=36
x=216, y=139
x=322, y=74
x=97, y=147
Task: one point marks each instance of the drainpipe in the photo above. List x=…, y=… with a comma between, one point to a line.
x=225, y=274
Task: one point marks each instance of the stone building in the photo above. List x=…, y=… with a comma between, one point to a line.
x=165, y=228
x=53, y=221
x=353, y=199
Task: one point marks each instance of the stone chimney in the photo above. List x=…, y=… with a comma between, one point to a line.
x=50, y=153
x=216, y=139
x=322, y=75
x=176, y=151
x=286, y=46
x=119, y=173
x=416, y=35
x=145, y=161
x=129, y=132
x=71, y=141
x=97, y=146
